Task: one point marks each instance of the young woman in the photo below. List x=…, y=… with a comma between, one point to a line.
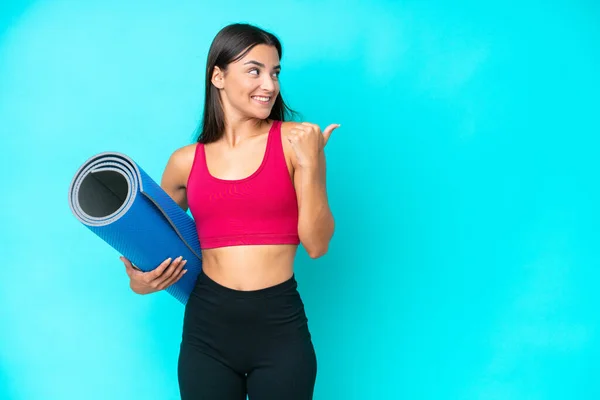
x=255, y=186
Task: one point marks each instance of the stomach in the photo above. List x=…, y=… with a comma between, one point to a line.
x=250, y=267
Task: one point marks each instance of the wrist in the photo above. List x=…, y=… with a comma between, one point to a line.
x=309, y=174
x=310, y=167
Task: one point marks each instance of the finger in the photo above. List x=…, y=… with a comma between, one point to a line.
x=158, y=271
x=329, y=130
x=128, y=266
x=303, y=127
x=168, y=281
x=297, y=132
x=179, y=272
x=310, y=125
x=172, y=270
x=169, y=270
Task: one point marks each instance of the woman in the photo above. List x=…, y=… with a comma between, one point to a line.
x=256, y=188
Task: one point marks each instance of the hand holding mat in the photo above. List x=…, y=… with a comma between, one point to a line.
x=114, y=198
x=163, y=276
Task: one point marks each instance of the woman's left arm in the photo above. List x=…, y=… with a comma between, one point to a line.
x=315, y=220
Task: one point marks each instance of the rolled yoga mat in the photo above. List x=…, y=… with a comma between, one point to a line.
x=112, y=196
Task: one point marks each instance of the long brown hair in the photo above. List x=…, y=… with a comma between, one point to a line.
x=229, y=45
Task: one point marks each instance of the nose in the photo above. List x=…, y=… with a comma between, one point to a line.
x=267, y=84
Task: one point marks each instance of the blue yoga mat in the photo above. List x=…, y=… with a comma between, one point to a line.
x=112, y=196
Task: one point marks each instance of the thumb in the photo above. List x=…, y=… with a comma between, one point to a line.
x=128, y=267
x=328, y=130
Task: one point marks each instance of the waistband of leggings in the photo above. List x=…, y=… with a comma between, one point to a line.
x=289, y=284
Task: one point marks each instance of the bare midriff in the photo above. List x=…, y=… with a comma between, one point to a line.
x=249, y=267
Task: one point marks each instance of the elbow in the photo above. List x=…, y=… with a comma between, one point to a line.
x=314, y=247
x=316, y=252
x=316, y=242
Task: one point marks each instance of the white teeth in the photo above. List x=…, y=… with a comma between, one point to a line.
x=261, y=98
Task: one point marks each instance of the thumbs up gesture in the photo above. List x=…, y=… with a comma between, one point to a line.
x=308, y=142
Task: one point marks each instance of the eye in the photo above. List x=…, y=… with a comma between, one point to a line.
x=254, y=70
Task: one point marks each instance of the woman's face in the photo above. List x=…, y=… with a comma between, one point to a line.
x=250, y=85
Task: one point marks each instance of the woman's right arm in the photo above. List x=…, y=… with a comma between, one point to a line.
x=173, y=182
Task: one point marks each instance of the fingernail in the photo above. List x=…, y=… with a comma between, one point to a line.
x=185, y=270
x=184, y=261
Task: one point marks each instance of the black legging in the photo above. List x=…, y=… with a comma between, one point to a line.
x=238, y=343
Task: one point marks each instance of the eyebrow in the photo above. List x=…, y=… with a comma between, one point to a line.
x=261, y=64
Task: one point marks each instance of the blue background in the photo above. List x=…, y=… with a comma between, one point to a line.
x=464, y=182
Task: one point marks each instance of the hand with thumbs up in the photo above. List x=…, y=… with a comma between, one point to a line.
x=308, y=142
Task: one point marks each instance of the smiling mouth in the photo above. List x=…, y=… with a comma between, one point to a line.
x=262, y=99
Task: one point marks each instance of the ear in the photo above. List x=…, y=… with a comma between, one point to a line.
x=217, y=78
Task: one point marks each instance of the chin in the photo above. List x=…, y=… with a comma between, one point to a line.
x=262, y=114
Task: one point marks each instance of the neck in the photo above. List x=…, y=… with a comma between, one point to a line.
x=239, y=128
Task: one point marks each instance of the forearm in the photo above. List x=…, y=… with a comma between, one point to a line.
x=315, y=220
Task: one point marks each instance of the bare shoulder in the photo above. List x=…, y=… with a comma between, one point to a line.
x=183, y=157
x=179, y=166
x=176, y=173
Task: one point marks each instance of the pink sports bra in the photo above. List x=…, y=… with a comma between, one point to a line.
x=259, y=209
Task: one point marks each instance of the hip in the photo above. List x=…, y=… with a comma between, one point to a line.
x=215, y=313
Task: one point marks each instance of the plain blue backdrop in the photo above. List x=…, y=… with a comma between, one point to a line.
x=464, y=182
